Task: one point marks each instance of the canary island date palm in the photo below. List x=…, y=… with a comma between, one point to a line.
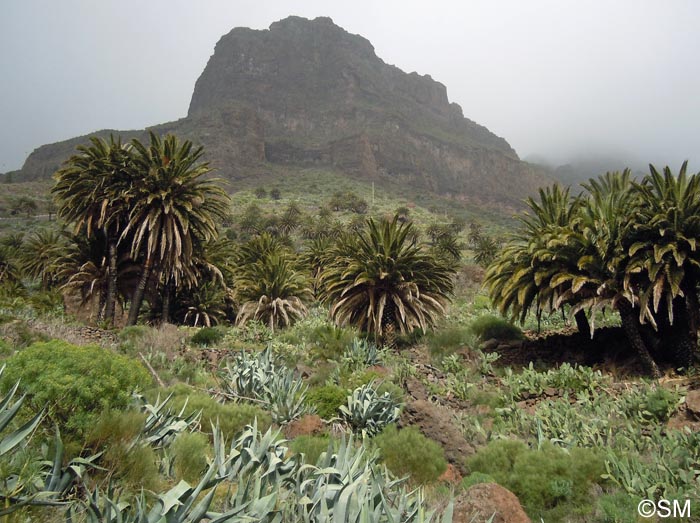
x=173, y=210
x=526, y=273
x=382, y=281
x=41, y=257
x=92, y=191
x=271, y=290
x=665, y=258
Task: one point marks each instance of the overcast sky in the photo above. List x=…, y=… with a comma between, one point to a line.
x=555, y=78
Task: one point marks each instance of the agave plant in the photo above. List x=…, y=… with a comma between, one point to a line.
x=163, y=425
x=369, y=412
x=253, y=453
x=181, y=504
x=362, y=353
x=264, y=379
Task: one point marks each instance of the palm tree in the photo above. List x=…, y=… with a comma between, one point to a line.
x=92, y=191
x=527, y=273
x=665, y=256
x=41, y=257
x=173, y=211
x=271, y=291
x=9, y=271
x=384, y=281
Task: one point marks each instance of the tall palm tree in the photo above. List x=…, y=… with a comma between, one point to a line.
x=385, y=281
x=92, y=191
x=173, y=211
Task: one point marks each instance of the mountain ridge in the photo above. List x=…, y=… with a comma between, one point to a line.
x=308, y=93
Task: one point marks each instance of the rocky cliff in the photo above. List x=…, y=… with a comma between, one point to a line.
x=306, y=92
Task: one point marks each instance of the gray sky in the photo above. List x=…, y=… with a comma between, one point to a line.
x=559, y=78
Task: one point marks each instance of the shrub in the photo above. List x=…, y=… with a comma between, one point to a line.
x=74, y=383
x=488, y=326
x=651, y=405
x=114, y=426
x=327, y=400
x=549, y=482
x=189, y=452
x=136, y=467
x=232, y=417
x=310, y=446
x=207, y=336
x=448, y=340
x=408, y=452
x=617, y=508
x=476, y=478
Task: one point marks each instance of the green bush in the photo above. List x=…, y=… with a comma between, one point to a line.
x=207, y=336
x=488, y=326
x=113, y=426
x=476, y=478
x=448, y=340
x=619, y=507
x=408, y=452
x=651, y=405
x=311, y=446
x=551, y=482
x=136, y=467
x=5, y=349
x=189, y=452
x=75, y=384
x=232, y=417
x=327, y=400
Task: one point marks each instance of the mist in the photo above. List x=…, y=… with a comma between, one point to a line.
x=558, y=80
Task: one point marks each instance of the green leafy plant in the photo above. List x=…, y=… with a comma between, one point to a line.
x=549, y=482
x=263, y=378
x=74, y=383
x=327, y=400
x=408, y=452
x=487, y=326
x=368, y=412
x=207, y=336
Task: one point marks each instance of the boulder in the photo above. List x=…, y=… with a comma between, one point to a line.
x=484, y=500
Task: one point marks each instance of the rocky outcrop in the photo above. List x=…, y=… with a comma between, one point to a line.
x=306, y=92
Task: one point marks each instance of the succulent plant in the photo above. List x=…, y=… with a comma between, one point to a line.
x=369, y=412
x=262, y=378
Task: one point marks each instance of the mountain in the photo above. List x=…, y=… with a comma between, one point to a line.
x=308, y=93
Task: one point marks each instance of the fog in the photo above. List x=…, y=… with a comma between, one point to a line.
x=558, y=79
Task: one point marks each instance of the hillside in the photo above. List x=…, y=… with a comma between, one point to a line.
x=307, y=93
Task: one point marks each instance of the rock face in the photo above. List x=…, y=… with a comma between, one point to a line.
x=308, y=93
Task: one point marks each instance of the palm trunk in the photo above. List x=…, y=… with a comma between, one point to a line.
x=630, y=324
x=137, y=298
x=111, y=282
x=582, y=323
x=683, y=340
x=167, y=294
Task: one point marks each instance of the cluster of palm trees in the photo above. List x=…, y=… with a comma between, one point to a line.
x=624, y=245
x=146, y=226
x=144, y=214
